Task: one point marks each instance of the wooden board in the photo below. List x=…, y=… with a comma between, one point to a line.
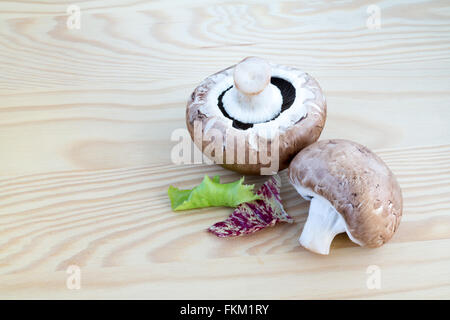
x=86, y=117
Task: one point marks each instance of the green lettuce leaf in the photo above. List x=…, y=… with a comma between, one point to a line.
x=211, y=193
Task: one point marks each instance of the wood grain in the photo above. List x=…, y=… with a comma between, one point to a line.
x=85, y=123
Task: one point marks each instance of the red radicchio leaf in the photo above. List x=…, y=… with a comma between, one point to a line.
x=250, y=217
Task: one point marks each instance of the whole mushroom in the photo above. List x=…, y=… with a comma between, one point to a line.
x=351, y=190
x=273, y=110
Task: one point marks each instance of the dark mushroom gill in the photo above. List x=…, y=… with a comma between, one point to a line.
x=287, y=92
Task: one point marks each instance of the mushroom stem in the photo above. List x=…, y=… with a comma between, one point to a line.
x=322, y=225
x=253, y=99
x=268, y=100
x=252, y=75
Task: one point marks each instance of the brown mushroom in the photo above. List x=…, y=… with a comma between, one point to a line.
x=273, y=110
x=351, y=190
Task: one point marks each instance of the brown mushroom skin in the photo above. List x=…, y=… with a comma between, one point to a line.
x=304, y=132
x=359, y=185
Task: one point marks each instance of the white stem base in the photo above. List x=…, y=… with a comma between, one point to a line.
x=257, y=108
x=322, y=225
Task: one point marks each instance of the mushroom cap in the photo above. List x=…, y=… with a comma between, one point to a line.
x=297, y=127
x=358, y=184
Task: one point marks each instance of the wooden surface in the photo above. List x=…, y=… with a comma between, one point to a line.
x=85, y=122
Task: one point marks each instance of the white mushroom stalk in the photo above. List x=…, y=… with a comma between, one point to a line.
x=253, y=99
x=322, y=225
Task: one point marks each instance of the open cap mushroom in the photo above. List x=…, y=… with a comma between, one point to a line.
x=265, y=106
x=351, y=190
